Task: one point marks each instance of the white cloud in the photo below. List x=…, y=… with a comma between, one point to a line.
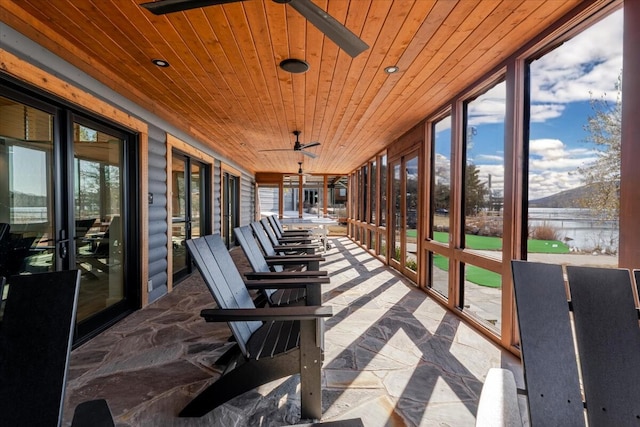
x=588, y=65
x=489, y=107
x=542, y=112
x=552, y=166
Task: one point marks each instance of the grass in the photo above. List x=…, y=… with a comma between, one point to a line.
x=495, y=243
x=481, y=276
x=473, y=274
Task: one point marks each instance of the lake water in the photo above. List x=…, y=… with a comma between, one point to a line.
x=579, y=228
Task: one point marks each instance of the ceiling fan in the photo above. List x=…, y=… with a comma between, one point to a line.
x=333, y=29
x=299, y=147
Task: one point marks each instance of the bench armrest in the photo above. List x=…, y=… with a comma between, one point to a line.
x=302, y=282
x=293, y=259
x=266, y=314
x=284, y=274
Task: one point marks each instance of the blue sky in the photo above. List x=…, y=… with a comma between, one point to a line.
x=562, y=83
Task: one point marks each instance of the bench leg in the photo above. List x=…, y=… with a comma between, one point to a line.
x=243, y=378
x=310, y=370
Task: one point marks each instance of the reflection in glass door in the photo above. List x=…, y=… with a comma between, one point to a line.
x=231, y=207
x=26, y=190
x=396, y=214
x=411, y=185
x=188, y=204
x=98, y=232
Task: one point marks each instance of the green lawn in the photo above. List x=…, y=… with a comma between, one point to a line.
x=473, y=274
x=488, y=278
x=479, y=275
x=495, y=243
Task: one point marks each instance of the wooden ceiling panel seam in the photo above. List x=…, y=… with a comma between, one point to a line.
x=377, y=99
x=258, y=71
x=264, y=55
x=249, y=61
x=203, y=31
x=357, y=15
x=468, y=64
x=213, y=76
x=471, y=57
x=375, y=78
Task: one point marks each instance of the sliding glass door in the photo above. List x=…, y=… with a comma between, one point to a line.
x=231, y=207
x=189, y=209
x=63, y=181
x=404, y=213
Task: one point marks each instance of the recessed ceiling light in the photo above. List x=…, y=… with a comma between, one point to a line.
x=392, y=69
x=294, y=65
x=160, y=63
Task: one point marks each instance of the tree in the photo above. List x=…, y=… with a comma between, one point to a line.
x=474, y=191
x=604, y=129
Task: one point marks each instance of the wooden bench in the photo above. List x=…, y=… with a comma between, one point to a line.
x=283, y=240
x=269, y=249
x=607, y=340
x=273, y=268
x=281, y=232
x=272, y=342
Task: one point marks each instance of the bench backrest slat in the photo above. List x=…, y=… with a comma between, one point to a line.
x=608, y=340
x=35, y=343
x=225, y=283
x=269, y=230
x=548, y=355
x=263, y=239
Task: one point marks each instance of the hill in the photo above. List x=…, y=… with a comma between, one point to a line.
x=565, y=199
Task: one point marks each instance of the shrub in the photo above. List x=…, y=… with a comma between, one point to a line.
x=544, y=232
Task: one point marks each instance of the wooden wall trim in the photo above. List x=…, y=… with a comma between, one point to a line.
x=408, y=142
x=629, y=248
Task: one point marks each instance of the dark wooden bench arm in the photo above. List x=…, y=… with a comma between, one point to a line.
x=284, y=274
x=266, y=314
x=295, y=258
x=294, y=240
x=294, y=247
x=285, y=283
x=312, y=264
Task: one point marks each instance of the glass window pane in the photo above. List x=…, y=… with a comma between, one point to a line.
x=268, y=199
x=483, y=295
x=574, y=148
x=383, y=191
x=439, y=273
x=441, y=179
x=98, y=196
x=396, y=193
x=197, y=200
x=26, y=188
x=373, y=192
x=484, y=174
x=412, y=213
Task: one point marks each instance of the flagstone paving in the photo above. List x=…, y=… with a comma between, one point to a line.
x=393, y=357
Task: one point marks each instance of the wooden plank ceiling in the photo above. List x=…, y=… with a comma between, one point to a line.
x=224, y=86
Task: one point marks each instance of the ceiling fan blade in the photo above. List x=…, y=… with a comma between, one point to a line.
x=333, y=29
x=307, y=153
x=161, y=7
x=309, y=145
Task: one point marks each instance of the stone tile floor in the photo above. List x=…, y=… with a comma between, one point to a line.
x=393, y=357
